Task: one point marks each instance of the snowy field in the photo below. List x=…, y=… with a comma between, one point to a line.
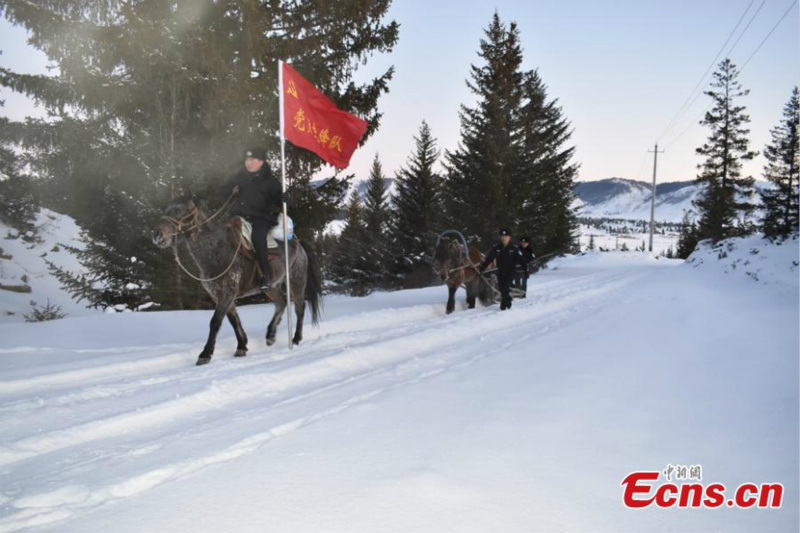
x=614, y=241
x=392, y=416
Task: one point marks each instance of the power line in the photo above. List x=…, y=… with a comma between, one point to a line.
x=641, y=167
x=769, y=34
x=689, y=126
x=746, y=27
x=682, y=109
x=727, y=55
x=692, y=123
x=696, y=96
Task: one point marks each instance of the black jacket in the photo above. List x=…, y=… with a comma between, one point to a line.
x=527, y=255
x=260, y=195
x=507, y=257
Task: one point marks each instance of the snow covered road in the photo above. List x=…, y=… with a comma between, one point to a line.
x=393, y=416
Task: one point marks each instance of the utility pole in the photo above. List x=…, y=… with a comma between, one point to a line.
x=655, y=153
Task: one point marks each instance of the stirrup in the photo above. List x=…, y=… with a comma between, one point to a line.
x=264, y=286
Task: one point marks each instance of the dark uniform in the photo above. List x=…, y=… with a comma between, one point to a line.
x=507, y=258
x=521, y=279
x=259, y=201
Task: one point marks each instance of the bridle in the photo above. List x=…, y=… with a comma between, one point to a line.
x=194, y=215
x=177, y=223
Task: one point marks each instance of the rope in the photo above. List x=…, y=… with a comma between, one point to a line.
x=235, y=255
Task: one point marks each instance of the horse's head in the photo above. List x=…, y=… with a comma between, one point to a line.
x=180, y=216
x=447, y=256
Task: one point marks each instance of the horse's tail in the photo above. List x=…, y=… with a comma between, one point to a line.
x=313, y=283
x=485, y=293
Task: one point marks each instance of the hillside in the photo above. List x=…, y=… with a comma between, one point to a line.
x=23, y=264
x=630, y=199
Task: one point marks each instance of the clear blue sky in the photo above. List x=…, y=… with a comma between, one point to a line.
x=621, y=70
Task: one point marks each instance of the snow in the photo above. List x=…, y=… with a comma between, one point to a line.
x=752, y=257
x=334, y=227
x=613, y=241
x=28, y=259
x=392, y=416
x=631, y=201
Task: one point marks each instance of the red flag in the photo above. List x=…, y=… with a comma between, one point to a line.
x=312, y=121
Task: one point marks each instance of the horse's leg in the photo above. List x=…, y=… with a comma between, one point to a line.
x=472, y=290
x=300, y=311
x=279, y=300
x=224, y=304
x=451, y=298
x=241, y=336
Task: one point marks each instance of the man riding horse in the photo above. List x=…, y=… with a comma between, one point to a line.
x=259, y=198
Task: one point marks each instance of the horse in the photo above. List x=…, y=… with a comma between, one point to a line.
x=226, y=273
x=457, y=266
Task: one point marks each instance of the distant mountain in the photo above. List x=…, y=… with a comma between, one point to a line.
x=630, y=199
x=613, y=198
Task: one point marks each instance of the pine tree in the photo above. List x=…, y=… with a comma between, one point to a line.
x=726, y=193
x=376, y=218
x=513, y=160
x=548, y=173
x=110, y=282
x=688, y=237
x=351, y=263
x=783, y=171
x=18, y=205
x=591, y=246
x=316, y=203
x=418, y=212
x=482, y=174
x=151, y=94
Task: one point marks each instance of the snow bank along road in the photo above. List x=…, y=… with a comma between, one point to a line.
x=393, y=416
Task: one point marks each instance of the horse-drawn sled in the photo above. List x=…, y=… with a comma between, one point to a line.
x=458, y=265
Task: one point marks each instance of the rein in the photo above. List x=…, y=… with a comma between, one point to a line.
x=235, y=255
x=194, y=214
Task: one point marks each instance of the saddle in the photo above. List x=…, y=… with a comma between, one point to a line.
x=242, y=231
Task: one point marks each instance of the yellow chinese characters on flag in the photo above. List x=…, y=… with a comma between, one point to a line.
x=313, y=122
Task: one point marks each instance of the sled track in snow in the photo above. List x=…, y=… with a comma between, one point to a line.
x=242, y=403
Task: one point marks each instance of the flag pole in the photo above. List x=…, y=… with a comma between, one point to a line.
x=285, y=215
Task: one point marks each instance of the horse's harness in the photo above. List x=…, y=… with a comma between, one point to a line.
x=194, y=216
x=463, y=251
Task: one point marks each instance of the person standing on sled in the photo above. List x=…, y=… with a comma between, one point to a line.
x=522, y=275
x=259, y=200
x=508, y=256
